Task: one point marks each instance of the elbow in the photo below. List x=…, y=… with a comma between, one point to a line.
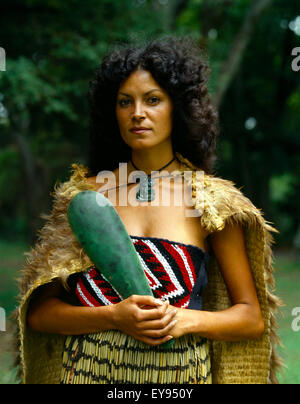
x=36, y=318
x=261, y=328
x=256, y=328
x=253, y=323
x=32, y=321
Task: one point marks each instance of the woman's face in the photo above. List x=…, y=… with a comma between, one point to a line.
x=141, y=102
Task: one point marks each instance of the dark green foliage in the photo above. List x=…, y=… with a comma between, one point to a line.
x=52, y=50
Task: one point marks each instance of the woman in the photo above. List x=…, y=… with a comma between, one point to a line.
x=150, y=108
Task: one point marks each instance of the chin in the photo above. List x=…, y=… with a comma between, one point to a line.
x=140, y=144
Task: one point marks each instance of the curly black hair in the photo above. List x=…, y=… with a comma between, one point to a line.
x=177, y=64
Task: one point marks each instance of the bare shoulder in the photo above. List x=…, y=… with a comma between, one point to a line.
x=231, y=236
x=92, y=180
x=97, y=180
x=104, y=178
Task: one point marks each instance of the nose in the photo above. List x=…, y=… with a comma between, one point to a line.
x=138, y=112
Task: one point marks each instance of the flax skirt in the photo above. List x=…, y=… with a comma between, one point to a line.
x=112, y=357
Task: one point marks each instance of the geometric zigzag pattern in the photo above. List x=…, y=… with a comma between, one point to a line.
x=170, y=267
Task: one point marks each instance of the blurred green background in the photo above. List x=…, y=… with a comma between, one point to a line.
x=52, y=49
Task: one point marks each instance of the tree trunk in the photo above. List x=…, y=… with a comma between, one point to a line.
x=231, y=65
x=35, y=187
x=170, y=10
x=178, y=7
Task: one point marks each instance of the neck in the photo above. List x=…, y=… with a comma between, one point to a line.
x=148, y=162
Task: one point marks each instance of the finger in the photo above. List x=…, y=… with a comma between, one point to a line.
x=160, y=323
x=152, y=314
x=147, y=301
x=156, y=341
x=160, y=333
x=145, y=307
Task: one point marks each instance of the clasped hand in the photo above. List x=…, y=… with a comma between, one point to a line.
x=146, y=319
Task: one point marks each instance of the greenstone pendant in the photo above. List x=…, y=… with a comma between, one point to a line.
x=145, y=192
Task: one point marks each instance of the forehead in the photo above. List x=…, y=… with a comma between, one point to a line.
x=140, y=81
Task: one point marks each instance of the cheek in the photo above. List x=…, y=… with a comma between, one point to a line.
x=123, y=118
x=164, y=117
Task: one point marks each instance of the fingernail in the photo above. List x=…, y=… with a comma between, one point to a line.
x=158, y=302
x=170, y=337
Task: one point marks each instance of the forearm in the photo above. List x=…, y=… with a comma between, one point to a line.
x=237, y=323
x=55, y=316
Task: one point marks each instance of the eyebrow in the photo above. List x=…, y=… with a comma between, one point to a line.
x=148, y=92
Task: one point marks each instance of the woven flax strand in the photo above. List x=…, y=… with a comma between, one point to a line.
x=112, y=357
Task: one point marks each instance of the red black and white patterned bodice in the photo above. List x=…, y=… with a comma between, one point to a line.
x=176, y=272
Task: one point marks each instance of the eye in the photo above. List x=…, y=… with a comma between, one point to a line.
x=154, y=100
x=123, y=103
x=151, y=100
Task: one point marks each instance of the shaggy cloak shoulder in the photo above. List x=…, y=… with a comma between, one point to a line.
x=57, y=255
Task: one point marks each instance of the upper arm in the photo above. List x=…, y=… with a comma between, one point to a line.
x=229, y=248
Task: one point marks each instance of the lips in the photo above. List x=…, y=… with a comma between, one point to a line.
x=139, y=130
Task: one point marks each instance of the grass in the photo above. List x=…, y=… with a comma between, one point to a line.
x=287, y=288
x=288, y=281
x=11, y=260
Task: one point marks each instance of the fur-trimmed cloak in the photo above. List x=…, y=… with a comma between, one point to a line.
x=57, y=254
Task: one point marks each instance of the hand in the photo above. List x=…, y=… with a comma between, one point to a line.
x=145, y=318
x=184, y=319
